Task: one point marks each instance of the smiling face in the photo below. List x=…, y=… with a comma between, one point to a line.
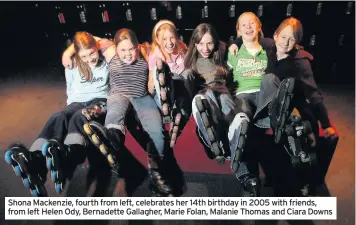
x=285, y=40
x=89, y=56
x=127, y=51
x=248, y=27
x=206, y=45
x=167, y=40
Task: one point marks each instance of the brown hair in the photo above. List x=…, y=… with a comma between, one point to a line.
x=192, y=54
x=83, y=40
x=163, y=25
x=296, y=27
x=260, y=34
x=125, y=34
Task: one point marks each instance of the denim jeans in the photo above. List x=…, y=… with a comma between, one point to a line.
x=75, y=127
x=147, y=113
x=57, y=125
x=255, y=106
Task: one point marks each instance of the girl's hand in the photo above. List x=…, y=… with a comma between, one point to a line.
x=233, y=49
x=330, y=133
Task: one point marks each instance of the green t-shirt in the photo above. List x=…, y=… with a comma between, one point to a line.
x=248, y=70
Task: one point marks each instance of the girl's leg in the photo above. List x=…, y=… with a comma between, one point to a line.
x=246, y=171
x=62, y=159
x=208, y=117
x=110, y=139
x=150, y=120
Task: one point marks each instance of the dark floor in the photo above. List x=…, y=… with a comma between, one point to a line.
x=26, y=105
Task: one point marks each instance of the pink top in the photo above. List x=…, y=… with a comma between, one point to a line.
x=176, y=65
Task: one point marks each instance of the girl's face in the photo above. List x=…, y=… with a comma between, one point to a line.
x=248, y=27
x=89, y=56
x=285, y=40
x=167, y=41
x=127, y=51
x=206, y=45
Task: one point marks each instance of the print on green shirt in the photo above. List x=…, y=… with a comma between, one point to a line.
x=248, y=70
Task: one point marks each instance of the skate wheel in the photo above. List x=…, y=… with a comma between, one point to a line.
x=165, y=109
x=49, y=163
x=54, y=175
x=199, y=104
x=26, y=183
x=87, y=129
x=174, y=137
x=175, y=129
x=45, y=147
x=95, y=139
x=178, y=117
x=161, y=79
x=215, y=149
x=17, y=170
x=163, y=94
x=8, y=158
x=34, y=193
x=103, y=149
x=205, y=119
x=58, y=188
x=211, y=135
x=111, y=159
x=172, y=143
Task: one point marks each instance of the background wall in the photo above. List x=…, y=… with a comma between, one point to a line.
x=33, y=35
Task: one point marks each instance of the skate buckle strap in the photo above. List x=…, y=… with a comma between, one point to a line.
x=166, y=119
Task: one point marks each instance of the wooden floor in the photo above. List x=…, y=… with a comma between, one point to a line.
x=27, y=105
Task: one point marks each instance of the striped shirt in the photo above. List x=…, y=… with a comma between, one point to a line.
x=128, y=80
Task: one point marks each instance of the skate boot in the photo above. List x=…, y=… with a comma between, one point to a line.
x=279, y=108
x=55, y=152
x=62, y=161
x=162, y=83
x=202, y=115
x=298, y=142
x=108, y=141
x=30, y=166
x=158, y=182
x=237, y=137
x=251, y=185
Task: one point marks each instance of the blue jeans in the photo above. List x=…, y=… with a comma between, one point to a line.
x=57, y=125
x=147, y=113
x=255, y=106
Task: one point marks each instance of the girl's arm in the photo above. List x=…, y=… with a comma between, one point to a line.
x=106, y=47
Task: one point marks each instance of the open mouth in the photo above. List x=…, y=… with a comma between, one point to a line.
x=249, y=32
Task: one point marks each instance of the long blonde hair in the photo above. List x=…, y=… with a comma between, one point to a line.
x=164, y=25
x=81, y=41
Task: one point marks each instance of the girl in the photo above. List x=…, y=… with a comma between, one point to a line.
x=167, y=48
x=87, y=84
x=128, y=86
x=249, y=68
x=213, y=108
